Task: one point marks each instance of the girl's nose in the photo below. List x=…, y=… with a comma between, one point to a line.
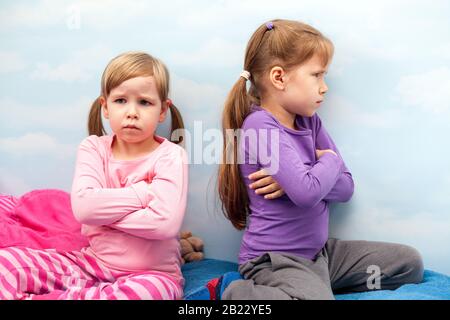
x=323, y=88
x=132, y=115
x=132, y=112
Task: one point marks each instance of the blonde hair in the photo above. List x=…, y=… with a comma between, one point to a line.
x=127, y=66
x=287, y=44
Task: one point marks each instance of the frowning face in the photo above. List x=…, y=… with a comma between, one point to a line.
x=134, y=109
x=305, y=88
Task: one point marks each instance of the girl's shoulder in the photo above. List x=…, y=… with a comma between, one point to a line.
x=262, y=119
x=259, y=118
x=169, y=149
x=170, y=156
x=96, y=141
x=96, y=144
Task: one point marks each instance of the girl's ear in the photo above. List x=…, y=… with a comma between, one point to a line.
x=165, y=105
x=104, y=107
x=276, y=77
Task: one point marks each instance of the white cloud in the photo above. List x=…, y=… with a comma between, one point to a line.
x=198, y=101
x=216, y=52
x=37, y=143
x=345, y=113
x=39, y=14
x=14, y=114
x=430, y=91
x=196, y=96
x=340, y=62
x=79, y=66
x=201, y=106
x=11, y=62
x=441, y=183
x=218, y=14
x=67, y=72
x=99, y=15
x=441, y=51
x=11, y=184
x=103, y=15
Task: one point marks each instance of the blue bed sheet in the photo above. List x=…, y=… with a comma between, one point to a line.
x=435, y=286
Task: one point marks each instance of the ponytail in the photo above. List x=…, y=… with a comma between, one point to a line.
x=95, y=124
x=232, y=190
x=231, y=187
x=177, y=123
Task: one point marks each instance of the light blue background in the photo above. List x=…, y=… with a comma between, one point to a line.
x=388, y=107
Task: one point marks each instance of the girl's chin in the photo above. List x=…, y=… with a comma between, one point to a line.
x=132, y=138
x=308, y=114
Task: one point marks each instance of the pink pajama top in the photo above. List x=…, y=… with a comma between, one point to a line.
x=131, y=210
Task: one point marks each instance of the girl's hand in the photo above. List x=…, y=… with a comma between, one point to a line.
x=320, y=153
x=265, y=184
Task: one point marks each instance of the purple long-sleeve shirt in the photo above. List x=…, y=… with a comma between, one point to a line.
x=297, y=222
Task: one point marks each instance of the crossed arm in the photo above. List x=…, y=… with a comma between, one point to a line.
x=149, y=210
x=342, y=190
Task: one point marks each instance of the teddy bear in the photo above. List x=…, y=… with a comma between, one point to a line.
x=191, y=247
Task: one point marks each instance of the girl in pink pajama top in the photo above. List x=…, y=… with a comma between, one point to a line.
x=130, y=187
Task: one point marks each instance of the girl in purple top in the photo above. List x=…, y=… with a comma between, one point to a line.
x=281, y=170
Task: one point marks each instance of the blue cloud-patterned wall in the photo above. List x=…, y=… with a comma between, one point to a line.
x=388, y=105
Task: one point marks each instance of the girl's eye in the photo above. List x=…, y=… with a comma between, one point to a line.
x=319, y=74
x=120, y=101
x=145, y=103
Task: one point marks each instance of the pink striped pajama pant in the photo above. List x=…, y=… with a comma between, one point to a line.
x=51, y=274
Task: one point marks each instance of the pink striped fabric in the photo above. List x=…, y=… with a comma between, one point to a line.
x=7, y=203
x=51, y=274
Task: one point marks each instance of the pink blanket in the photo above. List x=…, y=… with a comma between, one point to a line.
x=40, y=219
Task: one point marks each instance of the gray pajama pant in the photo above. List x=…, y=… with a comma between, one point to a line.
x=341, y=266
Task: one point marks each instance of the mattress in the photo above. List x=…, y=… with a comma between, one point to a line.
x=435, y=286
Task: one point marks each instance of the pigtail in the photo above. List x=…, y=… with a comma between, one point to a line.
x=231, y=187
x=95, y=124
x=177, y=123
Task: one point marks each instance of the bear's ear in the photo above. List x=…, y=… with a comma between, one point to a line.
x=185, y=234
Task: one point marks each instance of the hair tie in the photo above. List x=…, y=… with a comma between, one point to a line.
x=246, y=75
x=269, y=25
x=169, y=102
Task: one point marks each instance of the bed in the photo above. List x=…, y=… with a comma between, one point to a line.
x=435, y=286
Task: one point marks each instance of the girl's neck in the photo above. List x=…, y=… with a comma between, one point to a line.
x=122, y=150
x=283, y=116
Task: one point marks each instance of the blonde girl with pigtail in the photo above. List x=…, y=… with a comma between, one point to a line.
x=129, y=193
